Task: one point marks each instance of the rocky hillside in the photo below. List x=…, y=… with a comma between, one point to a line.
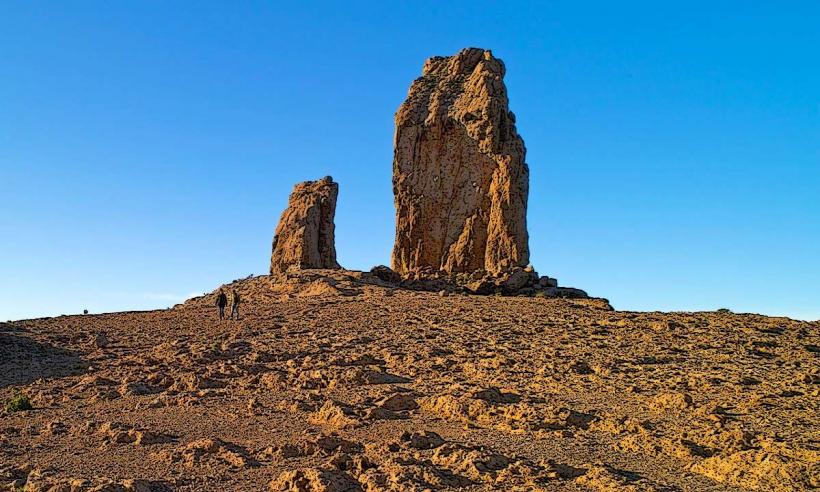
x=339, y=384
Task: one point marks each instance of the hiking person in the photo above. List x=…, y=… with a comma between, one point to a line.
x=221, y=302
x=235, y=304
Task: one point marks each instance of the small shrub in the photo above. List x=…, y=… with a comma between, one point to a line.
x=18, y=403
x=724, y=311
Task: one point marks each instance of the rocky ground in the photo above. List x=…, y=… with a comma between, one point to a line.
x=333, y=384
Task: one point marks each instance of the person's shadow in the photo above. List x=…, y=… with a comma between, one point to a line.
x=23, y=360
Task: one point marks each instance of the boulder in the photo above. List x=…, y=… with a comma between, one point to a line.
x=101, y=340
x=516, y=279
x=385, y=274
x=460, y=180
x=305, y=236
x=565, y=292
x=480, y=287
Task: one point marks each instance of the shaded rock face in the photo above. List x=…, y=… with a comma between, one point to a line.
x=459, y=178
x=305, y=236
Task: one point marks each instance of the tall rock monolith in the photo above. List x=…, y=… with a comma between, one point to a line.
x=305, y=236
x=460, y=180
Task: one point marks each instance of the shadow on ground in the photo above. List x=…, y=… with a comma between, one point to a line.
x=24, y=360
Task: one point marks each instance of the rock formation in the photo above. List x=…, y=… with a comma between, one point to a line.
x=459, y=177
x=305, y=236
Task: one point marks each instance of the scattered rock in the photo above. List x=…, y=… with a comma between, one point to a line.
x=386, y=275
x=671, y=401
x=773, y=468
x=605, y=478
x=117, y=433
x=481, y=287
x=516, y=279
x=206, y=450
x=493, y=395
x=334, y=414
x=399, y=402
x=314, y=480
x=101, y=340
x=474, y=463
x=422, y=440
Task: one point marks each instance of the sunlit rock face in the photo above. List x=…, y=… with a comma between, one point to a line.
x=305, y=236
x=460, y=180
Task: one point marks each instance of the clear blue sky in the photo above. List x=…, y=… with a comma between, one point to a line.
x=147, y=148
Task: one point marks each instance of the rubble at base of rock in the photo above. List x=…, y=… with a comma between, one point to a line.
x=515, y=282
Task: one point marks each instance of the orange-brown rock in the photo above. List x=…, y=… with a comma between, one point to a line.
x=305, y=236
x=459, y=177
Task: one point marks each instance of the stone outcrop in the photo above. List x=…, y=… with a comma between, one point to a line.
x=459, y=177
x=305, y=236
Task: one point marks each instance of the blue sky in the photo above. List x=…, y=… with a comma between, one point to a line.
x=147, y=148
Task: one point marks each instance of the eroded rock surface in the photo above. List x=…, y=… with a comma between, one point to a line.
x=459, y=177
x=305, y=236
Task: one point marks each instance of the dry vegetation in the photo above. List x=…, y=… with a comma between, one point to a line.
x=331, y=384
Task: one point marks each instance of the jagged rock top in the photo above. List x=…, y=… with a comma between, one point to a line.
x=463, y=63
